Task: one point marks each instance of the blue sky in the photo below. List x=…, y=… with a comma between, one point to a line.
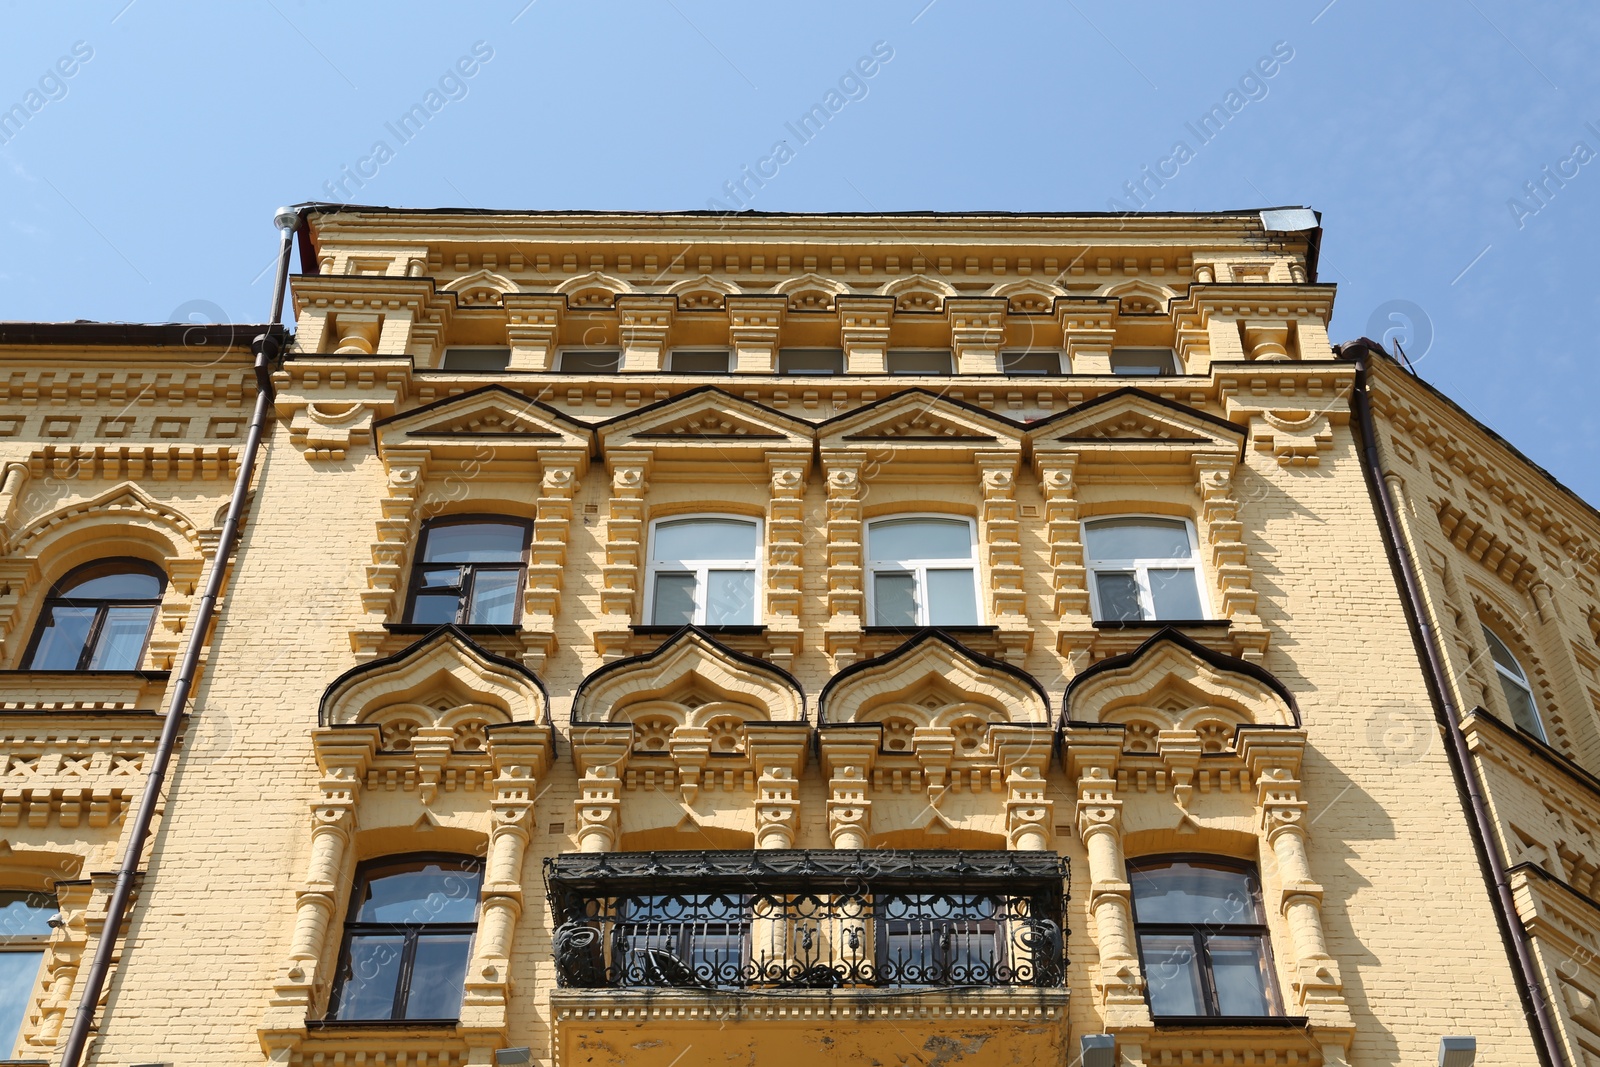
x=141, y=185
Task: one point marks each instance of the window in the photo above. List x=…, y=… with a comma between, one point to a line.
x=476, y=359
x=811, y=361
x=941, y=939
x=683, y=940
x=1030, y=364
x=1514, y=684
x=407, y=939
x=469, y=571
x=1143, y=362
x=1203, y=939
x=25, y=920
x=715, y=362
x=1143, y=570
x=924, y=572
x=591, y=361
x=913, y=361
x=98, y=618
x=703, y=571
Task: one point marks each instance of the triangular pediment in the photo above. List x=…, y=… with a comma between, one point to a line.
x=1131, y=417
x=493, y=411
x=920, y=417
x=705, y=416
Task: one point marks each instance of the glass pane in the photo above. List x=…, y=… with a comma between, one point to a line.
x=730, y=598
x=1142, y=361
x=1502, y=655
x=62, y=638
x=591, y=362
x=723, y=539
x=18, y=973
x=1523, y=710
x=121, y=641
x=674, y=599
x=110, y=582
x=476, y=359
x=1119, y=597
x=952, y=598
x=435, y=609
x=1112, y=539
x=1238, y=973
x=440, y=578
x=371, y=977
x=1172, y=975
x=26, y=915
x=1189, y=893
x=494, y=597
x=1030, y=364
x=811, y=361
x=908, y=539
x=1176, y=593
x=428, y=892
x=437, y=975
x=699, y=362
x=475, y=542
x=906, y=361
x=894, y=598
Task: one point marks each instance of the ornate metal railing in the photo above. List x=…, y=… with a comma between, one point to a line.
x=807, y=919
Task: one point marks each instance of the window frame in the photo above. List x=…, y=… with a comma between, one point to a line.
x=702, y=567
x=102, y=609
x=995, y=930
x=1176, y=367
x=844, y=363
x=464, y=602
x=409, y=931
x=1521, y=681
x=1200, y=931
x=37, y=944
x=1141, y=568
x=726, y=354
x=561, y=358
x=1063, y=365
x=919, y=568
x=948, y=353
x=444, y=358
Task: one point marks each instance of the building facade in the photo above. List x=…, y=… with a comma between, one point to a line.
x=681, y=639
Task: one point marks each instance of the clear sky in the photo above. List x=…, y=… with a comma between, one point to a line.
x=159, y=136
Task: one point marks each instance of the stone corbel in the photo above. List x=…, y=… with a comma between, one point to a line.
x=846, y=596
x=1023, y=754
x=533, y=327
x=601, y=754
x=1295, y=441
x=848, y=756
x=1057, y=471
x=12, y=482
x=999, y=529
x=690, y=747
x=785, y=547
x=778, y=753
x=754, y=323
x=1229, y=564
x=1090, y=329
x=864, y=332
x=547, y=555
x=327, y=431
x=644, y=321
x=977, y=332
x=624, y=559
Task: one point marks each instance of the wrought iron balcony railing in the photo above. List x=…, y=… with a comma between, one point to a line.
x=808, y=919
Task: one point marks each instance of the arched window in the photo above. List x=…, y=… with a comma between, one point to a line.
x=470, y=571
x=1143, y=570
x=407, y=939
x=923, y=571
x=98, y=618
x=25, y=920
x=1514, y=684
x=702, y=571
x=1202, y=938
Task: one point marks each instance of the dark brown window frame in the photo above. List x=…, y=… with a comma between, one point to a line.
x=410, y=931
x=1199, y=931
x=464, y=596
x=102, y=605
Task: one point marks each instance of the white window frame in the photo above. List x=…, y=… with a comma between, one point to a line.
x=701, y=567
x=1520, y=681
x=1141, y=569
x=920, y=567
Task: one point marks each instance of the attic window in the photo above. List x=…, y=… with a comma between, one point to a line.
x=1143, y=362
x=701, y=362
x=916, y=361
x=476, y=359
x=591, y=361
x=811, y=361
x=1030, y=364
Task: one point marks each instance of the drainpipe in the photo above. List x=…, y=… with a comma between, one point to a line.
x=265, y=348
x=1512, y=932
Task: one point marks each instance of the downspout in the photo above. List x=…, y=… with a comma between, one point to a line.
x=1512, y=932
x=265, y=348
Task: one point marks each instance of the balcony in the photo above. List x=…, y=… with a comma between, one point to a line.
x=787, y=953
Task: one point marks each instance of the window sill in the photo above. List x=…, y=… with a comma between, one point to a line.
x=909, y=630
x=1231, y=1022
x=28, y=675
x=383, y=1025
x=742, y=630
x=82, y=692
x=1159, y=624
x=419, y=628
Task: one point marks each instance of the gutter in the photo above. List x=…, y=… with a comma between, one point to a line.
x=1512, y=932
x=266, y=351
